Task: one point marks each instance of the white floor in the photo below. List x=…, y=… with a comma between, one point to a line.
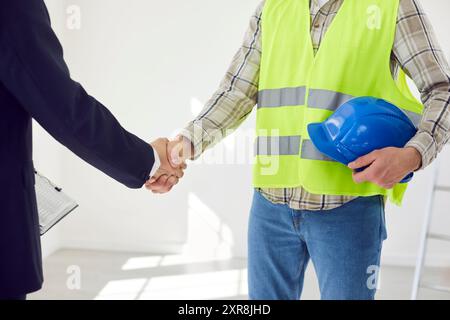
x=77, y=274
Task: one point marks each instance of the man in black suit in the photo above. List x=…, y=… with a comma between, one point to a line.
x=35, y=83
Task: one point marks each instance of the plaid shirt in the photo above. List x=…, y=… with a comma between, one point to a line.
x=415, y=50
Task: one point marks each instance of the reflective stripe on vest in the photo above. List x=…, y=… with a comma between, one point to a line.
x=327, y=100
x=288, y=146
x=318, y=99
x=310, y=152
x=282, y=97
x=278, y=146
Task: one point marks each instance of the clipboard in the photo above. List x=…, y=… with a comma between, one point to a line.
x=52, y=203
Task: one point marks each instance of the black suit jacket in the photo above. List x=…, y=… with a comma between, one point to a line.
x=35, y=83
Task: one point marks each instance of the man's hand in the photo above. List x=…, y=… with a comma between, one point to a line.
x=386, y=167
x=176, y=152
x=179, y=150
x=167, y=176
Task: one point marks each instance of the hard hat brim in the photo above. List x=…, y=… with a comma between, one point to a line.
x=324, y=144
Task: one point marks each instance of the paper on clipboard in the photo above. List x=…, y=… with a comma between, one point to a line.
x=53, y=204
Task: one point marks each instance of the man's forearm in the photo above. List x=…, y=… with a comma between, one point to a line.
x=33, y=70
x=417, y=50
x=236, y=96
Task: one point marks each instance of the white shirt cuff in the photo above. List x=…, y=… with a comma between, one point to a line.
x=156, y=165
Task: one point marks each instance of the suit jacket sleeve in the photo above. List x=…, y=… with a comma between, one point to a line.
x=33, y=70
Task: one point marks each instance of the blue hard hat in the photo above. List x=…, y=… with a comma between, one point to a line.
x=359, y=127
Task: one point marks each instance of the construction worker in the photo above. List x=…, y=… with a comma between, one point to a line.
x=299, y=62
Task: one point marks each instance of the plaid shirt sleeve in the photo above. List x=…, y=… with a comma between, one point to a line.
x=418, y=53
x=236, y=97
x=415, y=49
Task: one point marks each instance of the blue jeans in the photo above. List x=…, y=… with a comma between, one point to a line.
x=344, y=245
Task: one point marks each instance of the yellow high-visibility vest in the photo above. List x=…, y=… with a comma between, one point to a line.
x=298, y=88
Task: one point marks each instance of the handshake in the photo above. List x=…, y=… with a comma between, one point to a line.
x=172, y=155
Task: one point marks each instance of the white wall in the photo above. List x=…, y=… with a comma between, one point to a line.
x=147, y=60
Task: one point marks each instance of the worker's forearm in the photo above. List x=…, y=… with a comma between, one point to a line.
x=206, y=131
x=418, y=52
x=236, y=96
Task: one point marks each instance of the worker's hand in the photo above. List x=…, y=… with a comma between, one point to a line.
x=173, y=155
x=386, y=167
x=179, y=150
x=167, y=176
